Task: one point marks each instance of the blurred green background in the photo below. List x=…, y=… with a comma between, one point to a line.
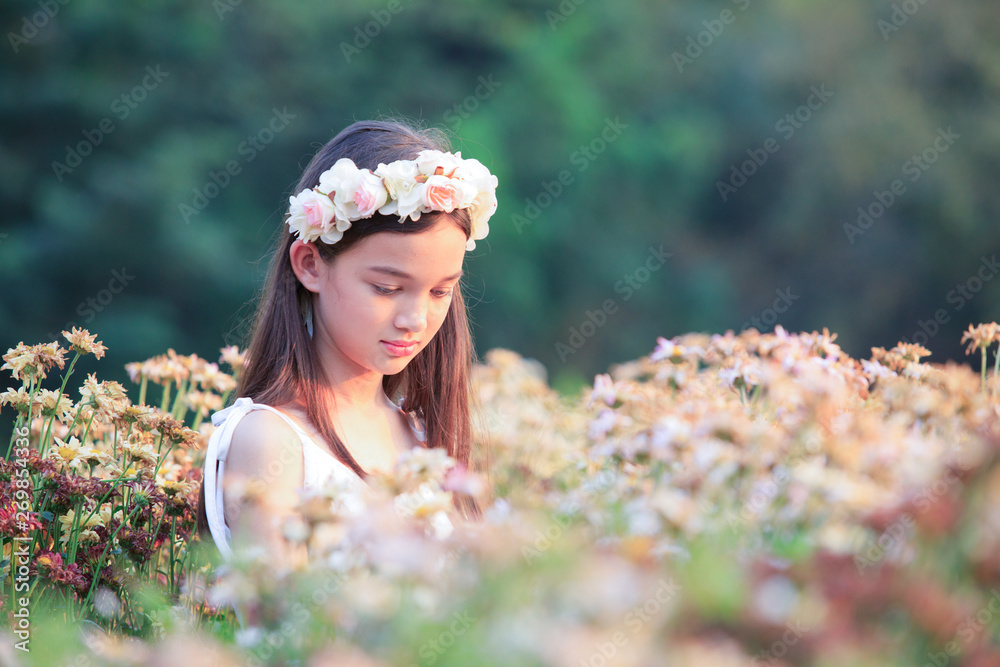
x=740, y=136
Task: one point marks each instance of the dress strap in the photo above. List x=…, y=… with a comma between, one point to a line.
x=225, y=422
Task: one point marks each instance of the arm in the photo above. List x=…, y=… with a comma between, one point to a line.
x=263, y=471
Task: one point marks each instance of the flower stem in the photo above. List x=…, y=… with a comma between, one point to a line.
x=996, y=364
x=983, y=387
x=96, y=572
x=166, y=396
x=48, y=428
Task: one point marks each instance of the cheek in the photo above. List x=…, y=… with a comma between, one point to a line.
x=440, y=313
x=353, y=310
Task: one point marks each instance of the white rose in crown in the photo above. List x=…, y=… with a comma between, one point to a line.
x=356, y=193
x=485, y=203
x=428, y=163
x=405, y=193
x=311, y=215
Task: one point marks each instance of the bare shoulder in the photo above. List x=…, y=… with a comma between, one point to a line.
x=266, y=448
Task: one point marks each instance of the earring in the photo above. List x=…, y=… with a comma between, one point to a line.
x=307, y=317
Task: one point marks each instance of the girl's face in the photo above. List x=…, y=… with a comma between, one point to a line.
x=387, y=288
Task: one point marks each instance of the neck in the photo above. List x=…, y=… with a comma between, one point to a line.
x=356, y=391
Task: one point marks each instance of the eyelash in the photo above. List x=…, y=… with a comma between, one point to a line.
x=389, y=292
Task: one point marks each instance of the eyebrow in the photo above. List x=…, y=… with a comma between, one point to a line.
x=388, y=270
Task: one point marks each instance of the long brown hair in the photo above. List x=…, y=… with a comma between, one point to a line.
x=282, y=364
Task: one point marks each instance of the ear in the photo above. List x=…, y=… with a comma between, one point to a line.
x=307, y=264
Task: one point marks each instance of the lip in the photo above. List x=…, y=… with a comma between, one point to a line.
x=400, y=348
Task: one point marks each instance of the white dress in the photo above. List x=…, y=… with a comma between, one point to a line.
x=319, y=464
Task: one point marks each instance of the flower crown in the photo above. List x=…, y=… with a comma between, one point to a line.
x=435, y=181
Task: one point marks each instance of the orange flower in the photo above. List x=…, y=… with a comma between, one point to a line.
x=84, y=342
x=981, y=337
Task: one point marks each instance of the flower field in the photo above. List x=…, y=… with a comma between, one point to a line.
x=725, y=500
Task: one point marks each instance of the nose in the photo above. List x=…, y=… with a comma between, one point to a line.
x=413, y=315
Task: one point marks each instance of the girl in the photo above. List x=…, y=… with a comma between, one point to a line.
x=360, y=348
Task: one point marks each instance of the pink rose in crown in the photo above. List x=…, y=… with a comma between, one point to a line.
x=441, y=194
x=369, y=194
x=314, y=212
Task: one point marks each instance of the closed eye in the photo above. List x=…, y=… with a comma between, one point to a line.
x=441, y=294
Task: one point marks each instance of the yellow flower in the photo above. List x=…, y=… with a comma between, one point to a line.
x=94, y=456
x=48, y=355
x=19, y=399
x=140, y=452
x=26, y=361
x=172, y=487
x=87, y=533
x=108, y=398
x=116, y=471
x=84, y=342
x=55, y=403
x=105, y=515
x=69, y=453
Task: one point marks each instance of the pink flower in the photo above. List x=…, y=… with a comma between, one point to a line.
x=314, y=213
x=369, y=194
x=440, y=194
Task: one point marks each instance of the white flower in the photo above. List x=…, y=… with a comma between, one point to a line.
x=428, y=162
x=484, y=205
x=876, y=370
x=310, y=216
x=665, y=349
x=425, y=501
x=400, y=182
x=481, y=211
x=604, y=390
x=356, y=193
